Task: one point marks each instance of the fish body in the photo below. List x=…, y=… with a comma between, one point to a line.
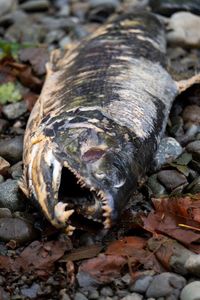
x=98, y=121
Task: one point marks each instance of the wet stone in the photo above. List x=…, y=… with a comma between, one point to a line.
x=11, y=149
x=191, y=114
x=31, y=292
x=168, y=7
x=35, y=5
x=169, y=149
x=4, y=166
x=141, y=284
x=165, y=284
x=133, y=296
x=80, y=296
x=194, y=148
x=183, y=30
x=16, y=229
x=106, y=291
x=14, y=110
x=16, y=170
x=191, y=291
x=9, y=197
x=171, y=179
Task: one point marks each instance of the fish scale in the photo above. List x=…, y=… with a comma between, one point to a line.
x=102, y=111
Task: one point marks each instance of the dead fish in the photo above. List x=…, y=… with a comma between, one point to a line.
x=98, y=121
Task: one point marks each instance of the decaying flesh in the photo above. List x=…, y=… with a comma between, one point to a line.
x=93, y=132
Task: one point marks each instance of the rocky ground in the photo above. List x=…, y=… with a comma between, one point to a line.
x=38, y=262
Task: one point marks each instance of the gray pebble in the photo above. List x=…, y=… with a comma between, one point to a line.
x=63, y=295
x=168, y=7
x=171, y=179
x=127, y=279
x=9, y=197
x=194, y=186
x=1, y=179
x=141, y=284
x=194, y=148
x=12, y=149
x=35, y=5
x=7, y=6
x=31, y=292
x=14, y=110
x=16, y=170
x=169, y=149
x=16, y=229
x=164, y=284
x=191, y=291
x=156, y=188
x=106, y=291
x=4, y=166
x=80, y=296
x=93, y=294
x=110, y=3
x=3, y=125
x=64, y=10
x=133, y=296
x=54, y=36
x=64, y=42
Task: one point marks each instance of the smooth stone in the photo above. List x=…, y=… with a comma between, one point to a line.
x=64, y=11
x=164, y=284
x=192, y=264
x=191, y=291
x=168, y=7
x=191, y=114
x=80, y=296
x=93, y=294
x=194, y=186
x=12, y=149
x=63, y=295
x=5, y=213
x=35, y=5
x=111, y=3
x=1, y=179
x=64, y=42
x=195, y=165
x=127, y=279
x=51, y=23
x=141, y=284
x=168, y=150
x=194, y=148
x=54, y=36
x=4, y=124
x=171, y=179
x=183, y=30
x=14, y=110
x=106, y=291
x=7, y=5
x=9, y=197
x=16, y=170
x=32, y=291
x=133, y=296
x=4, y=166
x=16, y=229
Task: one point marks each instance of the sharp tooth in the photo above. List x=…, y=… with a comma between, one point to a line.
x=92, y=189
x=69, y=229
x=61, y=214
x=107, y=223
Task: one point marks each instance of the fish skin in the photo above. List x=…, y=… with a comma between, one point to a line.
x=102, y=111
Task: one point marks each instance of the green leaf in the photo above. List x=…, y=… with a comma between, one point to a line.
x=9, y=92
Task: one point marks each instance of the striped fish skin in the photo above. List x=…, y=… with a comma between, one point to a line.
x=102, y=111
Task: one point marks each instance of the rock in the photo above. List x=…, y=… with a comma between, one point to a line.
x=32, y=291
x=168, y=7
x=37, y=57
x=16, y=170
x=7, y=6
x=14, y=110
x=51, y=23
x=3, y=125
x=191, y=291
x=100, y=10
x=169, y=149
x=133, y=296
x=80, y=296
x=64, y=42
x=192, y=114
x=1, y=179
x=106, y=291
x=3, y=294
x=171, y=179
x=194, y=186
x=16, y=229
x=63, y=295
x=141, y=284
x=54, y=36
x=9, y=197
x=194, y=148
x=5, y=212
x=35, y=5
x=64, y=10
x=4, y=166
x=183, y=30
x=108, y=3
x=165, y=284
x=93, y=294
x=192, y=264
x=12, y=149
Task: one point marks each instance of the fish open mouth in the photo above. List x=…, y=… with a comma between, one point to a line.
x=77, y=198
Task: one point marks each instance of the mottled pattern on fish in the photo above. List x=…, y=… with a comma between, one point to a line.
x=101, y=113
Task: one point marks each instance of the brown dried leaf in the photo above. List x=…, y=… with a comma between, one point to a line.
x=82, y=253
x=126, y=246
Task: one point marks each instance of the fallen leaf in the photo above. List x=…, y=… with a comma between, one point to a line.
x=126, y=246
x=82, y=253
